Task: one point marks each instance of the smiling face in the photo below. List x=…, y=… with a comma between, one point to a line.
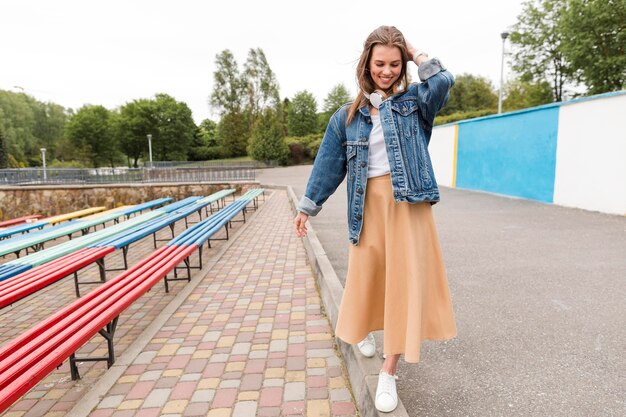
x=385, y=66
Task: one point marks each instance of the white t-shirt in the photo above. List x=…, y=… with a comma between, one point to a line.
x=378, y=163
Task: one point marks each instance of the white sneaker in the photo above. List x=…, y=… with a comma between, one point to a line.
x=367, y=346
x=386, y=394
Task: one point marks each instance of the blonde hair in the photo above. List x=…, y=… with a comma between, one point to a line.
x=386, y=36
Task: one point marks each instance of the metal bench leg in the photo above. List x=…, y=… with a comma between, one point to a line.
x=125, y=253
x=73, y=368
x=76, y=285
x=108, y=333
x=103, y=276
x=103, y=271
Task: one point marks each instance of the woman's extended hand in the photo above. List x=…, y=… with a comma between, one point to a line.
x=299, y=224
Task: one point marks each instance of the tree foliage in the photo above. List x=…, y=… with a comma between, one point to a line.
x=233, y=134
x=259, y=81
x=594, y=42
x=132, y=127
x=538, y=54
x=4, y=153
x=28, y=125
x=228, y=88
x=204, y=145
x=470, y=93
x=167, y=120
x=173, y=128
x=337, y=97
x=267, y=142
x=90, y=131
x=521, y=94
x=302, y=119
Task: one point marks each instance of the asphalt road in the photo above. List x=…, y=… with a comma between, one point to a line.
x=539, y=293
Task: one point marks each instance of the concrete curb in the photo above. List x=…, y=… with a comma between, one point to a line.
x=362, y=372
x=91, y=399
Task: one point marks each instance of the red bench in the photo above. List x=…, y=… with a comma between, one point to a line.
x=19, y=220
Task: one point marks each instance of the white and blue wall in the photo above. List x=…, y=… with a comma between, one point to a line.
x=571, y=154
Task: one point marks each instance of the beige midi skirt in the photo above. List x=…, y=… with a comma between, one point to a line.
x=396, y=278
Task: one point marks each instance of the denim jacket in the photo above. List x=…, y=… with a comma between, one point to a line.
x=407, y=121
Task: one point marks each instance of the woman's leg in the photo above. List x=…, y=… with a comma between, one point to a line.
x=390, y=364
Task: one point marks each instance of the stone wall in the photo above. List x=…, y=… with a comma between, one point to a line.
x=56, y=199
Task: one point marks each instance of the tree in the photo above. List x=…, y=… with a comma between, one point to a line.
x=538, y=45
x=470, y=93
x=204, y=144
x=90, y=131
x=132, y=127
x=206, y=134
x=267, y=142
x=233, y=134
x=337, y=97
x=29, y=125
x=594, y=42
x=4, y=154
x=261, y=87
x=228, y=87
x=172, y=130
x=520, y=94
x=302, y=118
x=167, y=120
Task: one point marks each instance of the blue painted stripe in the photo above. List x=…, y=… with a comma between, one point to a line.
x=511, y=155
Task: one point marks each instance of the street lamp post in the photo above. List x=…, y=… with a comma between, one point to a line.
x=503, y=35
x=150, y=148
x=43, y=158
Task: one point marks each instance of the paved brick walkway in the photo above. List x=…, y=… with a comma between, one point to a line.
x=251, y=339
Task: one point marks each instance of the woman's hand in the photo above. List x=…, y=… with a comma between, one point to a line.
x=409, y=49
x=299, y=224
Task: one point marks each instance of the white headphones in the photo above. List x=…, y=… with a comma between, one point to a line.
x=376, y=98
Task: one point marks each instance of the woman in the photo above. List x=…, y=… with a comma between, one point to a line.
x=396, y=279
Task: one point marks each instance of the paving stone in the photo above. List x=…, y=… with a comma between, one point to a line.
x=157, y=398
x=245, y=409
x=274, y=382
x=340, y=394
x=145, y=358
x=318, y=408
x=111, y=401
x=203, y=395
x=294, y=391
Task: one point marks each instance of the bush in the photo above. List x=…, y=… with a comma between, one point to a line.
x=314, y=146
x=455, y=117
x=66, y=164
x=207, y=153
x=303, y=148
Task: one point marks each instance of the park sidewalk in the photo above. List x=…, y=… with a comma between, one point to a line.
x=250, y=339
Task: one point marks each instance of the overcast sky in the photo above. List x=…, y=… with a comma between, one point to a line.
x=110, y=52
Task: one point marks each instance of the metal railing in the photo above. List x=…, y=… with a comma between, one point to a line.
x=214, y=164
x=38, y=176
